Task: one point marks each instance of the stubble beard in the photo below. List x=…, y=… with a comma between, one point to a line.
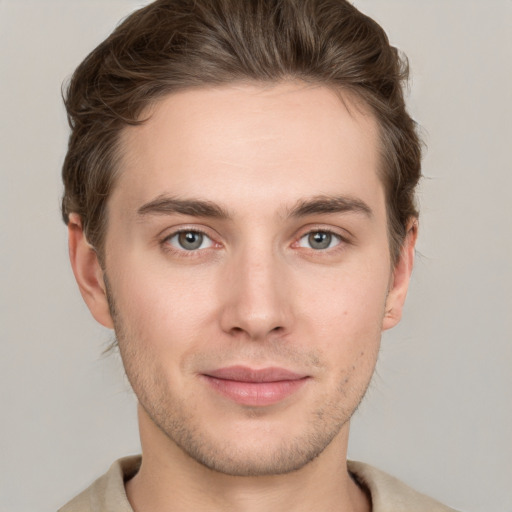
x=174, y=417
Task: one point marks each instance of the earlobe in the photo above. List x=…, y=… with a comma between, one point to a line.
x=88, y=272
x=401, y=277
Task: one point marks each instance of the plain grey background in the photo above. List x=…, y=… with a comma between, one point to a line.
x=438, y=413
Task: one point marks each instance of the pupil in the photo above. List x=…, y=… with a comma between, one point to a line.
x=190, y=240
x=320, y=240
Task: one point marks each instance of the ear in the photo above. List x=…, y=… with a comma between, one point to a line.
x=400, y=278
x=88, y=272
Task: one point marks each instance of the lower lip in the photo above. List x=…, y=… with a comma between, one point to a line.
x=255, y=393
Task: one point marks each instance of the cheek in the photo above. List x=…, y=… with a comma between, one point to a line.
x=161, y=309
x=351, y=301
x=345, y=318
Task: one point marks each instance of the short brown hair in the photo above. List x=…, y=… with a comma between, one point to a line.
x=176, y=44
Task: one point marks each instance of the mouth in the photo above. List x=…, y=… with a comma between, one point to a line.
x=255, y=387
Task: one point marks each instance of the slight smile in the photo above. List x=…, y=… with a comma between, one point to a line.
x=247, y=386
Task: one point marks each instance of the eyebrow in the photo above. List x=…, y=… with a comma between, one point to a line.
x=330, y=204
x=165, y=205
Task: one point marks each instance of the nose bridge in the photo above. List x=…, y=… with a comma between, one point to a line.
x=255, y=300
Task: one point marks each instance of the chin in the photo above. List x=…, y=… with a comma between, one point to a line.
x=243, y=461
x=253, y=447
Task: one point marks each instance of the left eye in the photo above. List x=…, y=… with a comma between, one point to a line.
x=319, y=240
x=190, y=240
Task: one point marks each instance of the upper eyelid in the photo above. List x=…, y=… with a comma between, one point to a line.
x=179, y=231
x=342, y=233
x=173, y=231
x=328, y=231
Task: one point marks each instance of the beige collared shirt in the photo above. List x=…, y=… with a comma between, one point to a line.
x=107, y=494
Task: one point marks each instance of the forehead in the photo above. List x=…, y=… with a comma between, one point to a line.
x=239, y=143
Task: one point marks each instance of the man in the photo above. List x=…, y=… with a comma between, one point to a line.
x=239, y=195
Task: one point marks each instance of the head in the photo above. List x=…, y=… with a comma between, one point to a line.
x=170, y=46
x=239, y=195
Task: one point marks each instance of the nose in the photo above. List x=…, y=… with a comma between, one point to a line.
x=257, y=301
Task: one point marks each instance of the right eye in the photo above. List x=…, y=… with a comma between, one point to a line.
x=189, y=240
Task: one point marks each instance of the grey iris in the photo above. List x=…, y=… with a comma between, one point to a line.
x=190, y=240
x=319, y=240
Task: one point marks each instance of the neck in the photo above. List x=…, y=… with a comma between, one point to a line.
x=169, y=479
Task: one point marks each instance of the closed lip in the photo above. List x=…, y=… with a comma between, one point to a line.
x=255, y=387
x=253, y=375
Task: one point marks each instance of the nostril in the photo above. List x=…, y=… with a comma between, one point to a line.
x=253, y=332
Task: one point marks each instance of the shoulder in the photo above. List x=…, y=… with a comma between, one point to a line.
x=389, y=494
x=107, y=493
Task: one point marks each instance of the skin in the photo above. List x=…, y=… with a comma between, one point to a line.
x=239, y=164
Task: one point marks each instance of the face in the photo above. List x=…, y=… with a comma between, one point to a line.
x=249, y=271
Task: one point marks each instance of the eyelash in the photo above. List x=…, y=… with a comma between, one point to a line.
x=342, y=241
x=166, y=245
x=182, y=252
